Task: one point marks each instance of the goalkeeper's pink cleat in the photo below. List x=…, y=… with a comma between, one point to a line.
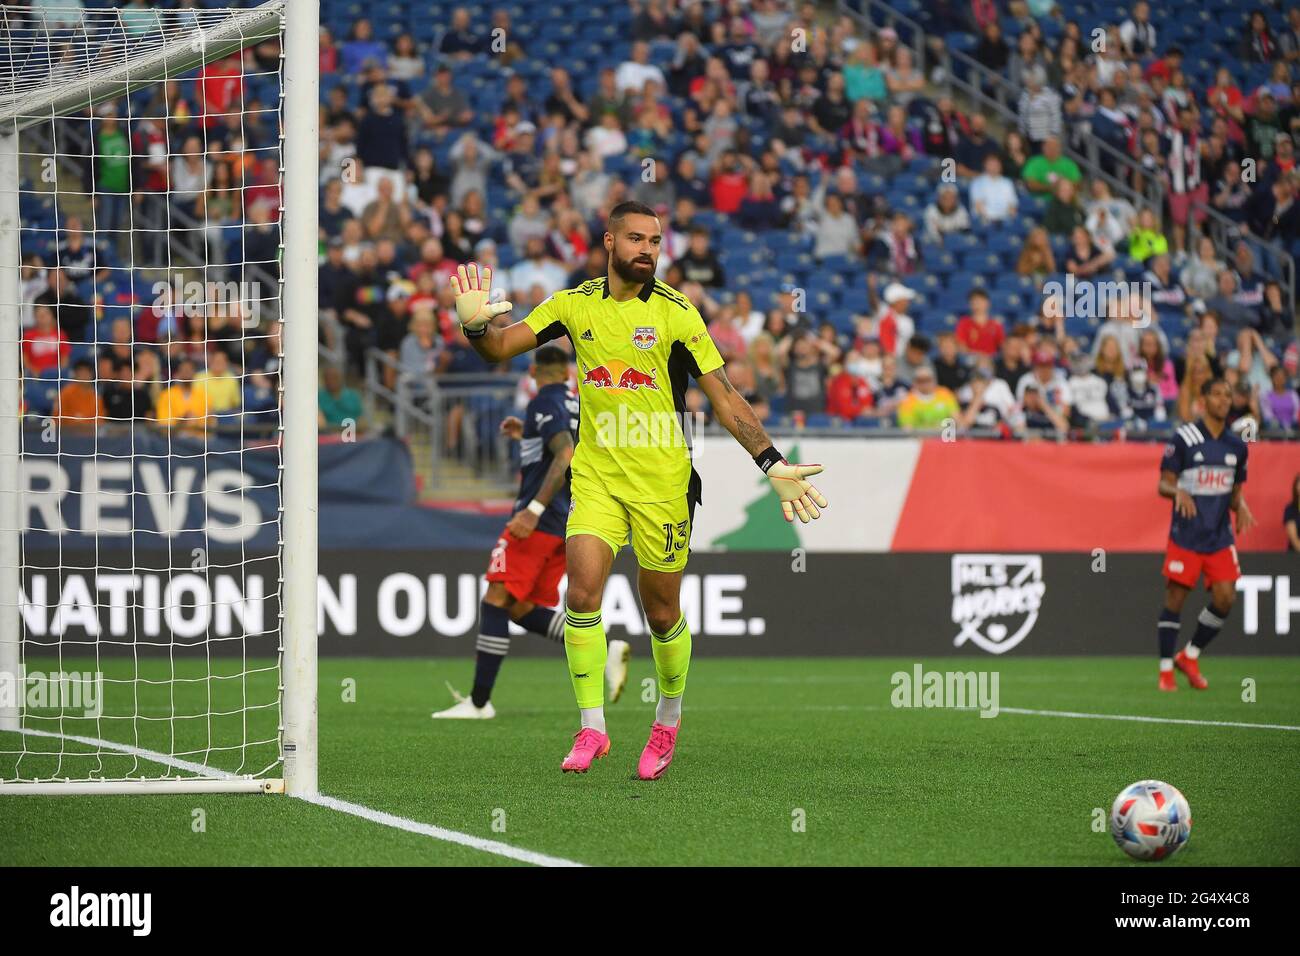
x=588, y=745
x=658, y=753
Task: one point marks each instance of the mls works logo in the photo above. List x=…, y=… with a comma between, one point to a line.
x=995, y=598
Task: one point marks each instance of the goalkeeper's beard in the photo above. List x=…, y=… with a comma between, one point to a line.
x=632, y=270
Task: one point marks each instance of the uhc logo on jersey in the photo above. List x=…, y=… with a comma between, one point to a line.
x=644, y=337
x=1207, y=480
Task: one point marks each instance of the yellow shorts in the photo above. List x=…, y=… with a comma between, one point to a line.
x=660, y=531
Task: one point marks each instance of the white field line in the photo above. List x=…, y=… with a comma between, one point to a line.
x=438, y=833
x=494, y=847
x=1144, y=720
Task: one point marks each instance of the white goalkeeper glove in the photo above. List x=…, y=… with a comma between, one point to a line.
x=797, y=496
x=472, y=287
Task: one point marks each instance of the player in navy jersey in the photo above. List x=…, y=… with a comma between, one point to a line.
x=528, y=561
x=1203, y=471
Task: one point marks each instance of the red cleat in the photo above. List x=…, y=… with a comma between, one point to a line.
x=1167, y=681
x=1192, y=669
x=588, y=745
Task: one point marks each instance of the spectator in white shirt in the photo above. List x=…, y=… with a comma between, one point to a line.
x=631, y=75
x=1109, y=220
x=191, y=172
x=1137, y=33
x=837, y=232
x=530, y=222
x=992, y=195
x=1088, y=391
x=1049, y=379
x=589, y=186
x=607, y=139
x=471, y=159
x=359, y=190
x=945, y=215
x=1040, y=109
x=751, y=319
x=538, y=269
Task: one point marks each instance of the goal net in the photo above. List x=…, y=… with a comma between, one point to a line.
x=157, y=460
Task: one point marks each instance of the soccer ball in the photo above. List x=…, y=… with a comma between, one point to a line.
x=1150, y=820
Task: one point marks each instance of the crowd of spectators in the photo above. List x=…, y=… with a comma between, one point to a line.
x=106, y=340
x=739, y=122
x=768, y=118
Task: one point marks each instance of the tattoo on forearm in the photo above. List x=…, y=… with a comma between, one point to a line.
x=721, y=376
x=750, y=434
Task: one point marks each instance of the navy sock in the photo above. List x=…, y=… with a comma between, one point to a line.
x=1208, y=625
x=546, y=621
x=1167, y=631
x=493, y=645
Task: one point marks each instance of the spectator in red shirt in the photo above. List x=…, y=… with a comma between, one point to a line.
x=979, y=332
x=434, y=261
x=848, y=395
x=894, y=326
x=221, y=84
x=44, y=345
x=329, y=51
x=729, y=184
x=727, y=336
x=1224, y=97
x=1165, y=66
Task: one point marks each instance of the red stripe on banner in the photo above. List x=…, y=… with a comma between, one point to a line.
x=1041, y=496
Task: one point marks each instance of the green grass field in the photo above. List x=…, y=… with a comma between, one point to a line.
x=765, y=743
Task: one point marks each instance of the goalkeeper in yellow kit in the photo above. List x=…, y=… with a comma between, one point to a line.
x=636, y=341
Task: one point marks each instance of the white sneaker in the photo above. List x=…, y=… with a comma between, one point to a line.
x=464, y=709
x=620, y=652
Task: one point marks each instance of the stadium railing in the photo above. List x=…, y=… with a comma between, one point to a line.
x=995, y=92
x=450, y=421
x=1277, y=260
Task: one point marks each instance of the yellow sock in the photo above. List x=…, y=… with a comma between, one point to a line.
x=585, y=647
x=672, y=653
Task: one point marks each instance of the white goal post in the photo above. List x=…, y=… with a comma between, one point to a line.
x=50, y=71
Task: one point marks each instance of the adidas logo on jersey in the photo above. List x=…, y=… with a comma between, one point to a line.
x=1198, y=457
x=587, y=336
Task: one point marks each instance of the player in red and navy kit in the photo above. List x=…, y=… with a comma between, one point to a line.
x=1203, y=471
x=528, y=561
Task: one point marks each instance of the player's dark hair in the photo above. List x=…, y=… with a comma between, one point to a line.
x=550, y=356
x=625, y=209
x=1209, y=384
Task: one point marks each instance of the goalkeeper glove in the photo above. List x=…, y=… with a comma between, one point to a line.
x=797, y=496
x=472, y=287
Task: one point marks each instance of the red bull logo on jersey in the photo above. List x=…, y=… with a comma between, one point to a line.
x=644, y=337
x=617, y=374
x=599, y=377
